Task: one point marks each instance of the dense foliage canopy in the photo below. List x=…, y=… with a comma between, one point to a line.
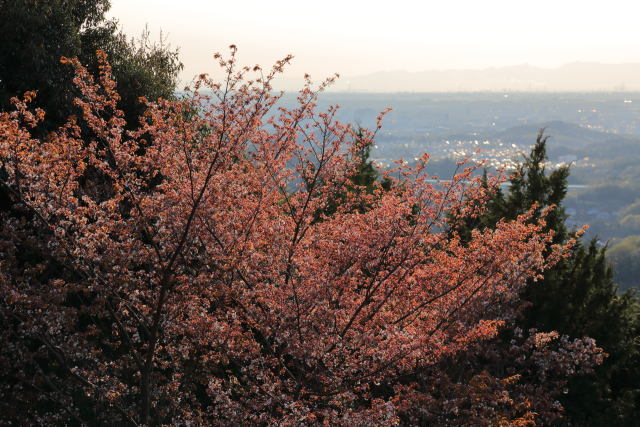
x=35, y=34
x=577, y=297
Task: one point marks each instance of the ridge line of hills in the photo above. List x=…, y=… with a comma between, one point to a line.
x=572, y=77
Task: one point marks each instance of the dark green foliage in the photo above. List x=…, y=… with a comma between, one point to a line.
x=577, y=297
x=492, y=213
x=140, y=66
x=625, y=255
x=35, y=34
x=367, y=174
x=531, y=184
x=364, y=181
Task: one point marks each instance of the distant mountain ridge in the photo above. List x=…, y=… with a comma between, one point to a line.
x=577, y=76
x=561, y=134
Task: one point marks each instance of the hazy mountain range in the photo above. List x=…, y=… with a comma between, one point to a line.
x=577, y=76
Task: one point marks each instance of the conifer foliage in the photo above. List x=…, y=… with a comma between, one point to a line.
x=576, y=297
x=179, y=272
x=34, y=34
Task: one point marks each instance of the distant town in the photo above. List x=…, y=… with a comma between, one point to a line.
x=597, y=134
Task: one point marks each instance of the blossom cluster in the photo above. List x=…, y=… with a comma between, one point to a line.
x=187, y=271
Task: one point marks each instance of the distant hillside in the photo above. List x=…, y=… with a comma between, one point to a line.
x=562, y=134
x=579, y=77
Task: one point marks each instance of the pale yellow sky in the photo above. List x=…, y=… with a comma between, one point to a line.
x=361, y=37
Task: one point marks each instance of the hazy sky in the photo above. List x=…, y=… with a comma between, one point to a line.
x=360, y=37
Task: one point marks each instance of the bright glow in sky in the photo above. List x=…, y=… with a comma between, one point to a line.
x=360, y=37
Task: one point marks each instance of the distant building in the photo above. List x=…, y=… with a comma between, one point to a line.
x=567, y=159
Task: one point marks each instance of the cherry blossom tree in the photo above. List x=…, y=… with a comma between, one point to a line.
x=186, y=271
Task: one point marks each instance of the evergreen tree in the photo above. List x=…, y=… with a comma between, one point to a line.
x=35, y=34
x=366, y=174
x=576, y=297
x=362, y=183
